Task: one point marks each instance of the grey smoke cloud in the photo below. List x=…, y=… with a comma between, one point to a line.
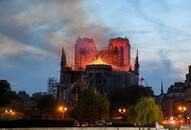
x=75, y=23
x=50, y=25
x=36, y=29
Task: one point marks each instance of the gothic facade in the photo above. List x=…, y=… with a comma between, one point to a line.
x=105, y=69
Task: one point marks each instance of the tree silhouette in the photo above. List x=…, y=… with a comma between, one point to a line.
x=6, y=94
x=146, y=112
x=128, y=96
x=92, y=105
x=45, y=103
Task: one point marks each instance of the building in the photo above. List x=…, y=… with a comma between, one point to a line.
x=188, y=78
x=178, y=94
x=53, y=85
x=174, y=97
x=104, y=69
x=117, y=54
x=23, y=96
x=85, y=52
x=187, y=93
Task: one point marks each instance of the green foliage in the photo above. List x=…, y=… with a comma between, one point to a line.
x=6, y=94
x=45, y=103
x=92, y=105
x=146, y=112
x=129, y=95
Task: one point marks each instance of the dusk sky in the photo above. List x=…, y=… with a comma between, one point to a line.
x=32, y=33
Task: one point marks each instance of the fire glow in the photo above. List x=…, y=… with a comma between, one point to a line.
x=98, y=61
x=117, y=55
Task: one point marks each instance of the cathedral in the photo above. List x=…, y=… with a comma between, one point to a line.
x=117, y=54
x=104, y=69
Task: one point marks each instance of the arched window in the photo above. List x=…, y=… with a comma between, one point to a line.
x=116, y=50
x=121, y=56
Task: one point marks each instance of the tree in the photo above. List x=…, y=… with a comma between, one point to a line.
x=146, y=112
x=6, y=94
x=92, y=105
x=45, y=104
x=24, y=107
x=125, y=97
x=103, y=106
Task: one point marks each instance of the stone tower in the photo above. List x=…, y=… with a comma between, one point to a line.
x=121, y=47
x=85, y=52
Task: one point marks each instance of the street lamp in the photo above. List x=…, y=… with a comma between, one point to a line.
x=9, y=112
x=121, y=110
x=65, y=108
x=6, y=111
x=182, y=109
x=62, y=110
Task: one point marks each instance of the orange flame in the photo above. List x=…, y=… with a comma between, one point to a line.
x=98, y=61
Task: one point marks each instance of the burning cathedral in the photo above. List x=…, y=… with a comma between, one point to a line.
x=104, y=69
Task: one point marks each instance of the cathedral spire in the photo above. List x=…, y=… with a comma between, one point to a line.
x=162, y=92
x=63, y=58
x=136, y=64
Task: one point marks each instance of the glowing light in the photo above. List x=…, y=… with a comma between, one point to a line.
x=164, y=122
x=98, y=61
x=171, y=118
x=60, y=108
x=10, y=112
x=182, y=108
x=172, y=121
x=181, y=121
x=122, y=110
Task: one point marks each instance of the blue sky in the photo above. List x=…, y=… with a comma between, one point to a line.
x=32, y=33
